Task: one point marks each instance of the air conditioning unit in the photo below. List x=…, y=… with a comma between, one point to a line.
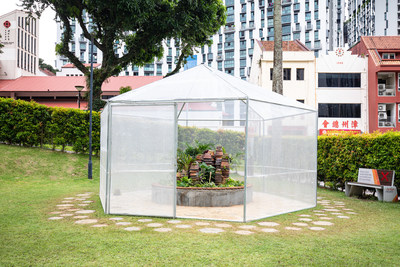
x=382, y=115
x=381, y=87
x=381, y=107
x=381, y=124
x=388, y=124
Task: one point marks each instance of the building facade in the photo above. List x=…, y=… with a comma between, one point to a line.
x=372, y=18
x=383, y=53
x=298, y=63
x=316, y=23
x=20, y=37
x=341, y=89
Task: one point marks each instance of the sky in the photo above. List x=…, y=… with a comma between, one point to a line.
x=47, y=30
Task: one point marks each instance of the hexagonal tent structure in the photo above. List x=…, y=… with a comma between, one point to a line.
x=274, y=139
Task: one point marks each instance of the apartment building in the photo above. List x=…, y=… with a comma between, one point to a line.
x=316, y=23
x=20, y=37
x=372, y=18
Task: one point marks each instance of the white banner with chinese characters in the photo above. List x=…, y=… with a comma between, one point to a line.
x=338, y=125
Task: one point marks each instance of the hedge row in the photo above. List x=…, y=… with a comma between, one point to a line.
x=340, y=157
x=32, y=124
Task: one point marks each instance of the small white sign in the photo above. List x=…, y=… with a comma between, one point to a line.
x=365, y=176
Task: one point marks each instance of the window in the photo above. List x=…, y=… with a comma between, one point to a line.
x=388, y=56
x=271, y=73
x=326, y=110
x=300, y=74
x=296, y=36
x=300, y=100
x=286, y=74
x=339, y=80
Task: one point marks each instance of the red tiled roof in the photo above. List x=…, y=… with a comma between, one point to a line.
x=67, y=83
x=47, y=72
x=382, y=42
x=295, y=45
x=70, y=65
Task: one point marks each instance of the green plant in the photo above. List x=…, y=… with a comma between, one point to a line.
x=184, y=161
x=197, y=148
x=206, y=172
x=232, y=183
x=184, y=182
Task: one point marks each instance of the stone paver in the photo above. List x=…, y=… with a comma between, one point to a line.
x=318, y=211
x=343, y=217
x=87, y=201
x=83, y=205
x=316, y=228
x=56, y=218
x=132, y=228
x=351, y=212
x=174, y=221
x=55, y=212
x=67, y=201
x=86, y=221
x=65, y=205
x=269, y=224
x=305, y=219
x=155, y=225
x=332, y=210
x=211, y=230
x=99, y=225
x=85, y=211
x=163, y=230
x=116, y=219
x=202, y=223
x=320, y=214
x=69, y=198
x=183, y=226
x=269, y=230
x=293, y=228
x=300, y=224
x=244, y=232
x=73, y=209
x=66, y=214
x=347, y=209
x=322, y=223
x=123, y=223
x=223, y=225
x=145, y=220
x=248, y=227
x=337, y=213
x=304, y=215
x=325, y=218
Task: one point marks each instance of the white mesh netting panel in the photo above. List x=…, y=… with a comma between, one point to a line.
x=103, y=156
x=143, y=158
x=281, y=169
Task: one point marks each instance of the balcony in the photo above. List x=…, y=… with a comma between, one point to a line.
x=229, y=29
x=210, y=56
x=286, y=2
x=220, y=58
x=386, y=84
x=309, y=27
x=297, y=28
x=169, y=59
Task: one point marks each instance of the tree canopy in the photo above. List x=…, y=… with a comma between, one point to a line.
x=46, y=66
x=1, y=46
x=141, y=24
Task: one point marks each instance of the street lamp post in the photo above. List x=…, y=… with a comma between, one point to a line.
x=90, y=165
x=79, y=88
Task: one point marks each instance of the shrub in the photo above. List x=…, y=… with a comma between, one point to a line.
x=340, y=157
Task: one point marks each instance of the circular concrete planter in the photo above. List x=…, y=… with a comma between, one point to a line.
x=202, y=196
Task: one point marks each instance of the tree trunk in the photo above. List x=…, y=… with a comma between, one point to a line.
x=277, y=85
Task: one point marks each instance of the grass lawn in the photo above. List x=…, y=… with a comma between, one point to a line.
x=33, y=181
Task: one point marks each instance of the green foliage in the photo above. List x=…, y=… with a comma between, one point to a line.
x=125, y=89
x=197, y=148
x=207, y=173
x=340, y=157
x=45, y=66
x=184, y=182
x=184, y=161
x=1, y=46
x=32, y=124
x=232, y=183
x=142, y=25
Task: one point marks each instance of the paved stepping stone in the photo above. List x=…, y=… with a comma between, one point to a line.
x=270, y=224
x=66, y=214
x=132, y=228
x=293, y=228
x=83, y=195
x=248, y=226
x=80, y=199
x=318, y=211
x=300, y=224
x=269, y=230
x=183, y=226
x=343, y=217
x=145, y=220
x=55, y=212
x=83, y=205
x=123, y=223
x=85, y=211
x=320, y=214
x=347, y=209
x=67, y=201
x=336, y=213
x=65, y=205
x=87, y=221
x=322, y=223
x=325, y=218
x=351, y=212
x=68, y=198
x=305, y=219
x=155, y=224
x=174, y=221
x=202, y=223
x=163, y=230
x=332, y=210
x=316, y=228
x=223, y=225
x=73, y=209
x=211, y=230
x=56, y=218
x=88, y=201
x=304, y=215
x=81, y=217
x=243, y=232
x=99, y=225
x=116, y=219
